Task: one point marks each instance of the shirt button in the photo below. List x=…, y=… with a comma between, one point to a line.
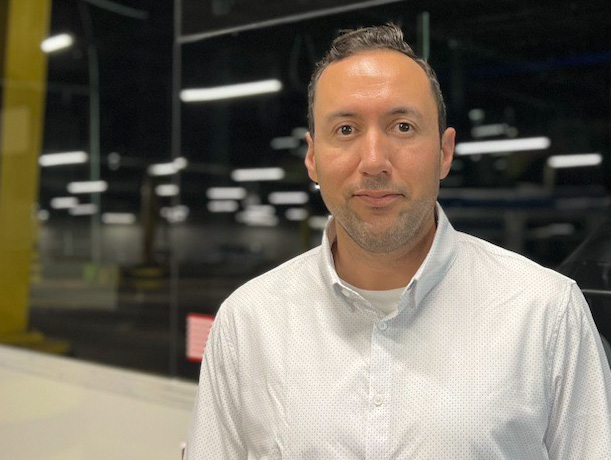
x=378, y=400
x=382, y=326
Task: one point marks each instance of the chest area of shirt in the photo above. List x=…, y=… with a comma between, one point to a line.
x=354, y=386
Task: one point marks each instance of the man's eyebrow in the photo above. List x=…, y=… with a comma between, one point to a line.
x=406, y=110
x=400, y=110
x=339, y=114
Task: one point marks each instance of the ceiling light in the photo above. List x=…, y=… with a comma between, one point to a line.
x=223, y=206
x=282, y=143
x=502, y=146
x=296, y=214
x=65, y=158
x=56, y=43
x=257, y=174
x=257, y=219
x=575, y=161
x=167, y=169
x=167, y=190
x=318, y=222
x=299, y=132
x=226, y=193
x=86, y=209
x=96, y=186
x=118, y=218
x=64, y=202
x=230, y=91
x=492, y=130
x=477, y=114
x=283, y=198
x=175, y=214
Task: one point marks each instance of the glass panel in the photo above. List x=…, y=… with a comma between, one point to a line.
x=175, y=230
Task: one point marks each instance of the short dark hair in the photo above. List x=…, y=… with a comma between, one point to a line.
x=389, y=37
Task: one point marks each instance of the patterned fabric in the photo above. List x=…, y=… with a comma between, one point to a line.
x=488, y=356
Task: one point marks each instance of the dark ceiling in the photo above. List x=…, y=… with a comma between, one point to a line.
x=543, y=68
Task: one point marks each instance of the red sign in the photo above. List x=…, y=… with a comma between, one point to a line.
x=198, y=328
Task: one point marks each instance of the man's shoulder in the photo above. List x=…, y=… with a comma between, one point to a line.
x=293, y=276
x=499, y=261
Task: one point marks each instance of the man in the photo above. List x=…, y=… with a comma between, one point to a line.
x=398, y=337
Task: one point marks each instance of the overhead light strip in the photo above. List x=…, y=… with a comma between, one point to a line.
x=226, y=193
x=118, y=218
x=502, y=146
x=85, y=209
x=257, y=174
x=98, y=186
x=56, y=43
x=574, y=161
x=231, y=91
x=65, y=158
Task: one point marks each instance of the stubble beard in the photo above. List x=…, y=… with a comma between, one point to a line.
x=401, y=234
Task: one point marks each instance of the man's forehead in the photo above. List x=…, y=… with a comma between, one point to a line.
x=399, y=81
x=369, y=62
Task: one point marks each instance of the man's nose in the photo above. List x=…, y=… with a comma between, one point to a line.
x=375, y=154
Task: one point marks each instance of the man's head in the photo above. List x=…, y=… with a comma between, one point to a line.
x=389, y=37
x=378, y=154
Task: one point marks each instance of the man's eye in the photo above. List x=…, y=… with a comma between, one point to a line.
x=404, y=127
x=345, y=130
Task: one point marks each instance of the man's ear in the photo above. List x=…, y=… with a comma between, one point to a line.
x=310, y=160
x=447, y=151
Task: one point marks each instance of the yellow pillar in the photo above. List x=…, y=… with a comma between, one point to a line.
x=23, y=69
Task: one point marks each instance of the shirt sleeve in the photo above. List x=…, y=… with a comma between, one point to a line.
x=215, y=424
x=580, y=393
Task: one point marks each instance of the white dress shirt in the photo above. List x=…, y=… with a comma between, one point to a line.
x=488, y=356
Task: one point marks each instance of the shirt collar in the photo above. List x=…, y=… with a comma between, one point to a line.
x=439, y=259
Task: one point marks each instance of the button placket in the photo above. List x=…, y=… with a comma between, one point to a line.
x=379, y=391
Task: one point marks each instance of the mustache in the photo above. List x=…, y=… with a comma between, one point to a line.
x=378, y=183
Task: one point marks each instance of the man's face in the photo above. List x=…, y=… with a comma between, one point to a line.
x=376, y=154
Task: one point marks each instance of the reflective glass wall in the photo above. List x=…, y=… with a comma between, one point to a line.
x=193, y=194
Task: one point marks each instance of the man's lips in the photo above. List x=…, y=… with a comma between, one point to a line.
x=377, y=198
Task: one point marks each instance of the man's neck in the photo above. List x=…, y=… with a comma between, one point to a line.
x=380, y=271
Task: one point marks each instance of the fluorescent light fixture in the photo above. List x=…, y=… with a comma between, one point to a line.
x=65, y=158
x=114, y=160
x=175, y=214
x=230, y=91
x=226, y=193
x=299, y=133
x=223, y=206
x=260, y=219
x=85, y=209
x=118, y=218
x=574, y=161
x=63, y=202
x=282, y=143
x=167, y=190
x=502, y=146
x=95, y=186
x=257, y=174
x=296, y=214
x=56, y=43
x=553, y=230
x=167, y=169
x=477, y=114
x=495, y=129
x=261, y=209
x=318, y=222
x=284, y=198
